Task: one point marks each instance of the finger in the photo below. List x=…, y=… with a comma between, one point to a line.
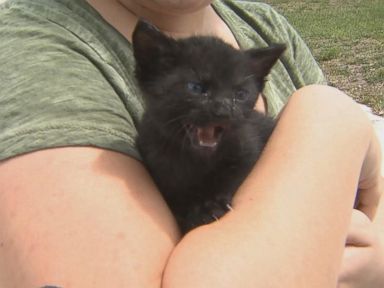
x=361, y=232
x=371, y=180
x=354, y=262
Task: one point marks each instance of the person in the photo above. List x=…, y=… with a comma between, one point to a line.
x=77, y=207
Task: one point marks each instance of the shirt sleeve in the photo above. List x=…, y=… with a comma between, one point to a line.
x=56, y=90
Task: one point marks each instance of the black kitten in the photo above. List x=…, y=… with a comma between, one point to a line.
x=200, y=135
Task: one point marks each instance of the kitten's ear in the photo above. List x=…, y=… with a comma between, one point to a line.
x=150, y=45
x=263, y=59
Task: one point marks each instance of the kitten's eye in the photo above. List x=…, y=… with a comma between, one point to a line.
x=196, y=88
x=241, y=95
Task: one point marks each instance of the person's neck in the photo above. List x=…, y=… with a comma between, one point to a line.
x=123, y=16
x=200, y=22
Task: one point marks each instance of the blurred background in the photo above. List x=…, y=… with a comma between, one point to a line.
x=347, y=39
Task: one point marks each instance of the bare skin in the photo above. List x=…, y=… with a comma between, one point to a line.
x=85, y=217
x=267, y=199
x=363, y=258
x=197, y=19
x=81, y=217
x=115, y=229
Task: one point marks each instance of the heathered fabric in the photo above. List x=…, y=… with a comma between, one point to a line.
x=66, y=75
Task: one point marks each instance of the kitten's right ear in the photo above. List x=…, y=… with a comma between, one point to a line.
x=262, y=59
x=150, y=44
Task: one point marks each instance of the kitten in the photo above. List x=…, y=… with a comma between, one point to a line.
x=200, y=135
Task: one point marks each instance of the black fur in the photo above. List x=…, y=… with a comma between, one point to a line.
x=200, y=135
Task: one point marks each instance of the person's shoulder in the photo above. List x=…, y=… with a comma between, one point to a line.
x=251, y=7
x=67, y=14
x=66, y=79
x=73, y=16
x=251, y=4
x=261, y=17
x=62, y=18
x=41, y=6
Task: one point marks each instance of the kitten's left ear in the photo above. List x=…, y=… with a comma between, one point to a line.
x=263, y=59
x=151, y=47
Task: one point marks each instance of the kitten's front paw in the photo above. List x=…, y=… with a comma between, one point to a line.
x=206, y=212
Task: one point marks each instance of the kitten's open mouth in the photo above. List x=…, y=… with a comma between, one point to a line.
x=207, y=137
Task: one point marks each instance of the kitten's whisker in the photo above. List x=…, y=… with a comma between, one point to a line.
x=173, y=136
x=215, y=217
x=229, y=207
x=246, y=78
x=185, y=138
x=175, y=119
x=167, y=142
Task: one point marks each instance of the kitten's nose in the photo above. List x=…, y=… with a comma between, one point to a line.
x=221, y=108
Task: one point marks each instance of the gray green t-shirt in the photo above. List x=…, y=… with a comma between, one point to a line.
x=66, y=75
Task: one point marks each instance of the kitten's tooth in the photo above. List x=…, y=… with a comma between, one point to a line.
x=207, y=144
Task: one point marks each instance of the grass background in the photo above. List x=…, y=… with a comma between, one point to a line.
x=347, y=39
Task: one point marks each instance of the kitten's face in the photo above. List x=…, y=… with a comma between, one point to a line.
x=198, y=87
x=204, y=96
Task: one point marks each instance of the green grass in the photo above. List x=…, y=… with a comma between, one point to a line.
x=347, y=39
x=329, y=53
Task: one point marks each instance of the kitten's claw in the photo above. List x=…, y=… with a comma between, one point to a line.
x=214, y=217
x=229, y=207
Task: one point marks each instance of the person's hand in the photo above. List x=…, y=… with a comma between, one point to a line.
x=363, y=259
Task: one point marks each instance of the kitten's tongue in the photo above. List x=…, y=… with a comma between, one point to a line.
x=207, y=136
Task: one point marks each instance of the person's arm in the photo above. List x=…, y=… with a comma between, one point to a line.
x=81, y=217
x=291, y=215
x=85, y=217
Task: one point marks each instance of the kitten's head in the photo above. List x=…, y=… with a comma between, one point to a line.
x=198, y=86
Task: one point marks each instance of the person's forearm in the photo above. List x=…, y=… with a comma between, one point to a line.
x=291, y=214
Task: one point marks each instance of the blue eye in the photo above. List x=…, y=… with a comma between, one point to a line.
x=196, y=88
x=241, y=95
